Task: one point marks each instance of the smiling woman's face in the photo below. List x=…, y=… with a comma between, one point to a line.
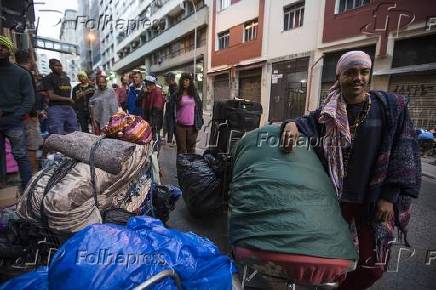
x=354, y=81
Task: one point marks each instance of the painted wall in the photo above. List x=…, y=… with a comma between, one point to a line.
x=237, y=50
x=237, y=13
x=280, y=43
x=378, y=18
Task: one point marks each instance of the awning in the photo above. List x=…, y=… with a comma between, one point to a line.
x=247, y=65
x=406, y=69
x=219, y=70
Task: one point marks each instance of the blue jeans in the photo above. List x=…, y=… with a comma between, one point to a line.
x=14, y=131
x=61, y=120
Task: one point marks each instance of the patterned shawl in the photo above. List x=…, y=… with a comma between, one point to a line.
x=334, y=117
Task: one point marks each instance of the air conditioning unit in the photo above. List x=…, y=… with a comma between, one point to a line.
x=158, y=3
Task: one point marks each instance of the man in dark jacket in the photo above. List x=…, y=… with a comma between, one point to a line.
x=169, y=128
x=16, y=100
x=153, y=106
x=136, y=95
x=33, y=137
x=368, y=146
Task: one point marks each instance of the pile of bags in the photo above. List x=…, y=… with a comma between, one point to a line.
x=123, y=257
x=62, y=195
x=203, y=182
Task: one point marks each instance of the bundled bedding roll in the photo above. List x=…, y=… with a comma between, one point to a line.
x=284, y=203
x=62, y=197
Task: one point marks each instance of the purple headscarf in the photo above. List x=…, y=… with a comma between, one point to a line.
x=334, y=117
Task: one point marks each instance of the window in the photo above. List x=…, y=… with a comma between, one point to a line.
x=293, y=16
x=250, y=30
x=224, y=4
x=223, y=39
x=345, y=5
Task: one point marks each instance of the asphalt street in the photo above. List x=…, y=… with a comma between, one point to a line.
x=412, y=272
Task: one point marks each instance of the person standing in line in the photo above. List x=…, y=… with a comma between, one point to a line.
x=31, y=124
x=121, y=92
x=136, y=95
x=16, y=100
x=82, y=92
x=153, y=106
x=188, y=117
x=169, y=128
x=61, y=116
x=103, y=105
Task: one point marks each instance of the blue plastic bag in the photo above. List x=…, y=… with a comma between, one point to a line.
x=36, y=280
x=110, y=256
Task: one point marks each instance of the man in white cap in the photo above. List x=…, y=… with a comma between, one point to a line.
x=368, y=146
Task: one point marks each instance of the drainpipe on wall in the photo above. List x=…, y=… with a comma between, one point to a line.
x=1, y=17
x=309, y=89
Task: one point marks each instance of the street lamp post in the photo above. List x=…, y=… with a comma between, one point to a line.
x=91, y=38
x=195, y=40
x=1, y=16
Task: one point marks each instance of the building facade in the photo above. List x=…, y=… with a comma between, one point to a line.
x=68, y=34
x=17, y=21
x=292, y=32
x=43, y=65
x=237, y=68
x=82, y=33
x=263, y=51
x=161, y=39
x=400, y=38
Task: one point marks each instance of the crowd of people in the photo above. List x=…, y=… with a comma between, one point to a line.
x=33, y=106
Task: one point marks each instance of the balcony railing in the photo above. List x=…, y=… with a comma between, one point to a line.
x=157, y=31
x=180, y=51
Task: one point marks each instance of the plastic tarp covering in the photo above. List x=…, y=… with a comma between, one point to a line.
x=284, y=203
x=108, y=256
x=201, y=187
x=69, y=205
x=36, y=280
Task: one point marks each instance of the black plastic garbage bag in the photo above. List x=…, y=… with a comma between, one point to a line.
x=118, y=216
x=201, y=187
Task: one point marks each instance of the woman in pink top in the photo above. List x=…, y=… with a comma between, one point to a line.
x=188, y=117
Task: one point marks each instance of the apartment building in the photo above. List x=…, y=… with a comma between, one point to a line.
x=43, y=65
x=236, y=67
x=262, y=51
x=292, y=32
x=161, y=38
x=68, y=34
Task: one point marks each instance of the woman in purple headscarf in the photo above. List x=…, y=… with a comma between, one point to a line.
x=368, y=146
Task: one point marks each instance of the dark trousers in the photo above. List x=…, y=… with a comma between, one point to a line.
x=84, y=120
x=61, y=120
x=366, y=273
x=186, y=139
x=16, y=135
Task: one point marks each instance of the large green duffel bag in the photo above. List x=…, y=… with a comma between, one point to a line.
x=284, y=203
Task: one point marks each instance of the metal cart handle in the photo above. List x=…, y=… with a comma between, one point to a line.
x=159, y=277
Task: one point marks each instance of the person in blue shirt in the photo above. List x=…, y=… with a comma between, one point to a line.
x=136, y=95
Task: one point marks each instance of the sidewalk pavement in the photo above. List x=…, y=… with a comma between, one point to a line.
x=8, y=196
x=429, y=167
